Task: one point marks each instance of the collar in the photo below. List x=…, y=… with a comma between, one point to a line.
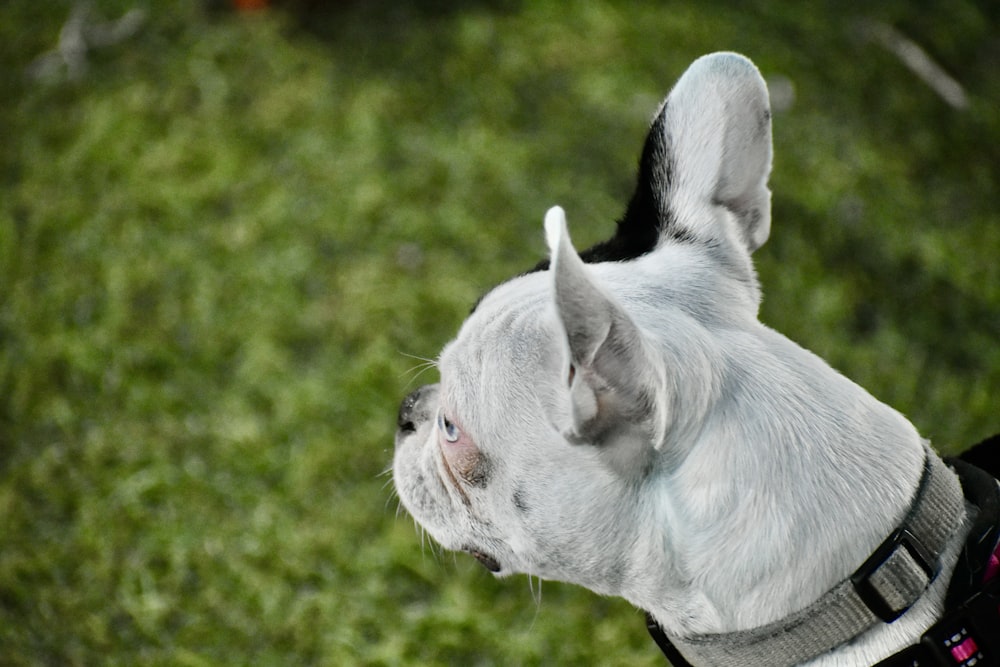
x=969, y=632
x=882, y=589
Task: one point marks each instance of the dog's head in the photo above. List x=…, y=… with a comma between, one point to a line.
x=571, y=387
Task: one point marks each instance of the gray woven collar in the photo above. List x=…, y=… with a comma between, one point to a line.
x=882, y=589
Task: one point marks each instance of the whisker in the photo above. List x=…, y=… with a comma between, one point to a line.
x=423, y=542
x=388, y=485
x=416, y=371
x=537, y=597
x=387, y=477
x=427, y=544
x=393, y=496
x=433, y=362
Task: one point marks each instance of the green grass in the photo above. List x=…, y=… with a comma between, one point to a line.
x=221, y=245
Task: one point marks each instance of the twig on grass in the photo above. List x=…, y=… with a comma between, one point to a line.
x=80, y=35
x=917, y=60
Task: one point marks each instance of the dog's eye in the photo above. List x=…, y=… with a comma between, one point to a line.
x=448, y=429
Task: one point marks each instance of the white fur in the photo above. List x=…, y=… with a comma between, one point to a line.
x=648, y=437
x=720, y=132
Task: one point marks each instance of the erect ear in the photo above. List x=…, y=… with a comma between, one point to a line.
x=704, y=168
x=615, y=383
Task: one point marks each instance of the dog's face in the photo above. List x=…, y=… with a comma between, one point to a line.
x=485, y=460
x=571, y=387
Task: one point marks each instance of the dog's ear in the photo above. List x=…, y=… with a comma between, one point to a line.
x=704, y=168
x=614, y=381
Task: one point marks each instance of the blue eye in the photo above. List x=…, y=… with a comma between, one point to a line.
x=447, y=428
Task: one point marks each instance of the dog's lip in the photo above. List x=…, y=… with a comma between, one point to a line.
x=487, y=561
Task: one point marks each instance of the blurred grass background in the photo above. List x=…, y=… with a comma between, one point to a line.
x=222, y=240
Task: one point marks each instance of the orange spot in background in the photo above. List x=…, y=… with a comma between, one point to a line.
x=250, y=5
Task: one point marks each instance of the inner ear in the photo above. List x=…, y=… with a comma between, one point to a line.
x=614, y=381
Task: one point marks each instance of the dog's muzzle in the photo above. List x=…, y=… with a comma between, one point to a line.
x=414, y=410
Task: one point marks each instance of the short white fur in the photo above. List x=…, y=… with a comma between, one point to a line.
x=647, y=436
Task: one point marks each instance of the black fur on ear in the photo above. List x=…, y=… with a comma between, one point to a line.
x=647, y=219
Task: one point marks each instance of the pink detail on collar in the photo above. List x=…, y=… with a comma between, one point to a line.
x=964, y=651
x=993, y=566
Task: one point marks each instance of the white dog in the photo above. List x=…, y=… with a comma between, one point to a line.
x=620, y=419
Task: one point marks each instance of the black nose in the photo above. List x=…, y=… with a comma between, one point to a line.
x=414, y=409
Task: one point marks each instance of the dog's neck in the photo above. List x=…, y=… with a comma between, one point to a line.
x=783, y=493
x=896, y=582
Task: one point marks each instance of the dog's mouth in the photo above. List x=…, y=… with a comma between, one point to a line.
x=487, y=561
